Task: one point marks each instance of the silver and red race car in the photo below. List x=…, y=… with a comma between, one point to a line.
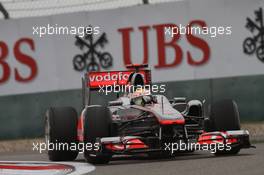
x=141, y=122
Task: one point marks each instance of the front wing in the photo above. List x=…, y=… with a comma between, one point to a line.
x=136, y=144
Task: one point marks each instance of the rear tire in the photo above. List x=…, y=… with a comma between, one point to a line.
x=61, y=127
x=97, y=124
x=224, y=116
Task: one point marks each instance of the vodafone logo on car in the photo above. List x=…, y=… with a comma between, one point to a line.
x=122, y=76
x=98, y=79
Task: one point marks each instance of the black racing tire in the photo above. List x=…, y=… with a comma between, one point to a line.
x=97, y=124
x=224, y=116
x=61, y=127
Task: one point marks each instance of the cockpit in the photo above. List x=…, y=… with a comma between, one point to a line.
x=143, y=100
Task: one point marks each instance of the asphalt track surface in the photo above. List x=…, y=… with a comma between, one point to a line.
x=248, y=162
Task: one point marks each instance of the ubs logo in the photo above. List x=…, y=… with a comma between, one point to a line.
x=92, y=58
x=255, y=44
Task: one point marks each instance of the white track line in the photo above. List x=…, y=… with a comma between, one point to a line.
x=80, y=168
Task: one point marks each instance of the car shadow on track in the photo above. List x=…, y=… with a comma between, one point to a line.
x=138, y=159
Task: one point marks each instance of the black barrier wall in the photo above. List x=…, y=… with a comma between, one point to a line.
x=22, y=116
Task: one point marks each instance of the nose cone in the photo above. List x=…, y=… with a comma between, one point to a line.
x=172, y=122
x=168, y=115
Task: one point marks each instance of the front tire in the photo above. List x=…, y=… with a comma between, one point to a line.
x=61, y=127
x=97, y=124
x=224, y=116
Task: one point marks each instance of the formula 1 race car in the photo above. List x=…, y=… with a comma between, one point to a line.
x=141, y=122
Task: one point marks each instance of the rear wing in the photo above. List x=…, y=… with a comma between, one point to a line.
x=93, y=81
x=97, y=80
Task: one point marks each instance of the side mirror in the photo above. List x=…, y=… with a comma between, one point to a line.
x=179, y=100
x=115, y=103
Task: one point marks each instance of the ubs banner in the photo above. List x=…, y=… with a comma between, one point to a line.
x=51, y=53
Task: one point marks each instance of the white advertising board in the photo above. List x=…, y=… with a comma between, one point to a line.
x=30, y=63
